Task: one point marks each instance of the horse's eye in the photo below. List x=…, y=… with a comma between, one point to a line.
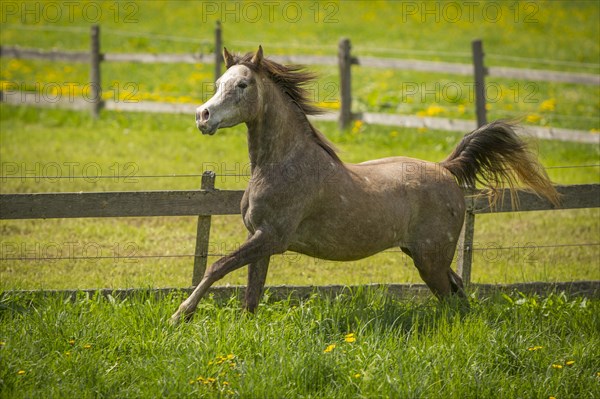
x=242, y=85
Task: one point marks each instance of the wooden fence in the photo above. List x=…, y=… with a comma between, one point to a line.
x=344, y=60
x=209, y=201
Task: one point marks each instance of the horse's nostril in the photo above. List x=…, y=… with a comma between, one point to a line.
x=205, y=115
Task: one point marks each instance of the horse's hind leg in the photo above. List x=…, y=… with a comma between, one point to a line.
x=456, y=284
x=434, y=268
x=257, y=275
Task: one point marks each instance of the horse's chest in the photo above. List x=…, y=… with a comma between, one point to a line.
x=252, y=211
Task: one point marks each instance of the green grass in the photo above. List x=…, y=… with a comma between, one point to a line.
x=506, y=346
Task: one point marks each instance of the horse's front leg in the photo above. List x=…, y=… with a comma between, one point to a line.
x=257, y=275
x=256, y=248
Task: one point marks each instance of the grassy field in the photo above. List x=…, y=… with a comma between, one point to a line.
x=360, y=344
x=363, y=343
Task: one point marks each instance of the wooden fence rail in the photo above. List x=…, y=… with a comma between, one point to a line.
x=344, y=61
x=209, y=201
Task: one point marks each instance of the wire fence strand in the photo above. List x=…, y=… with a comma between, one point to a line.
x=285, y=255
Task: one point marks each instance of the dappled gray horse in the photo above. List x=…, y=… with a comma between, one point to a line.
x=301, y=197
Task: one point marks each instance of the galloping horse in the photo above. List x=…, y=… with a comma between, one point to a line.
x=302, y=197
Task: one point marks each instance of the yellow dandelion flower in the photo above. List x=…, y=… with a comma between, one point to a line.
x=21, y=372
x=569, y=363
x=557, y=366
x=548, y=105
x=534, y=348
x=533, y=118
x=356, y=127
x=598, y=374
x=434, y=110
x=350, y=338
x=2, y=343
x=552, y=397
x=225, y=383
x=357, y=375
x=67, y=353
x=329, y=348
x=192, y=382
x=71, y=342
x=87, y=346
x=230, y=356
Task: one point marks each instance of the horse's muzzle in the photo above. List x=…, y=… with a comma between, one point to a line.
x=203, y=122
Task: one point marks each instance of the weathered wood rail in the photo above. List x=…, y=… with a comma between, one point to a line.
x=209, y=201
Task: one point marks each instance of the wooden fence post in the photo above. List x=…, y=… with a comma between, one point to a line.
x=465, y=244
x=345, y=63
x=95, y=82
x=202, y=233
x=218, y=50
x=479, y=73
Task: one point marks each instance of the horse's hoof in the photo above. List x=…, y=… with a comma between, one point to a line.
x=175, y=319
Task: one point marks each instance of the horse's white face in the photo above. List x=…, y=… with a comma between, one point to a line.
x=236, y=101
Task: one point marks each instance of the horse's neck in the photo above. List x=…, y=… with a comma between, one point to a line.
x=282, y=135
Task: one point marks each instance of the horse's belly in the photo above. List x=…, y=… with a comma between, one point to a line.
x=339, y=241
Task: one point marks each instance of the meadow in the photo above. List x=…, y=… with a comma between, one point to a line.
x=362, y=343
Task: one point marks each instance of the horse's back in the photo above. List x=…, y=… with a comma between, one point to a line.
x=429, y=195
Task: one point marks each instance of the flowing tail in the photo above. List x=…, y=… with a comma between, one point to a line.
x=496, y=157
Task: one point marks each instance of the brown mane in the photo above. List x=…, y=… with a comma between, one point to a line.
x=292, y=79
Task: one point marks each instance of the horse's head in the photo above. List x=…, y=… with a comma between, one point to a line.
x=237, y=97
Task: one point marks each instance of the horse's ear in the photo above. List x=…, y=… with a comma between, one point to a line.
x=229, y=61
x=258, y=56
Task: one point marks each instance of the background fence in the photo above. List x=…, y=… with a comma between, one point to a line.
x=344, y=60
